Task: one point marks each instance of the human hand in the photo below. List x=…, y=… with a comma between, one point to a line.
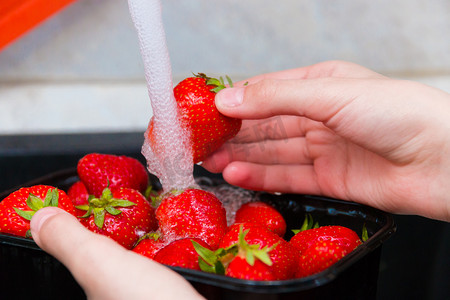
x=103, y=268
x=340, y=130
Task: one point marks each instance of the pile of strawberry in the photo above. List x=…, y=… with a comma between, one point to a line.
x=185, y=229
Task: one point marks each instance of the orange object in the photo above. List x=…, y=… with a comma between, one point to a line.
x=19, y=16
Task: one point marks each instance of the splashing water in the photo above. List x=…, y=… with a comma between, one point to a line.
x=167, y=155
x=232, y=197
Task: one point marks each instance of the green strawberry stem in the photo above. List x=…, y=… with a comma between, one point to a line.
x=217, y=261
x=99, y=207
x=153, y=235
x=218, y=84
x=35, y=203
x=251, y=252
x=308, y=223
x=365, y=234
x=209, y=261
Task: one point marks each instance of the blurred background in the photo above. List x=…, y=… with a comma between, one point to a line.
x=75, y=83
x=83, y=67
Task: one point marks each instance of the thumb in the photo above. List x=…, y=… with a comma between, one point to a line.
x=46, y=225
x=318, y=99
x=96, y=261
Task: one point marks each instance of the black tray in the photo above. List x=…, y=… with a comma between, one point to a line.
x=28, y=272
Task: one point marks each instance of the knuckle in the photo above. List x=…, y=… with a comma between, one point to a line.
x=265, y=89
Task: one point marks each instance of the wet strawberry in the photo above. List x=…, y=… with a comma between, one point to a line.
x=192, y=213
x=208, y=128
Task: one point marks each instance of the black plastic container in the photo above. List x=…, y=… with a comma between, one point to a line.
x=27, y=272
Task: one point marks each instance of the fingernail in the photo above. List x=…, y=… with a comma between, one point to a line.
x=41, y=216
x=230, y=97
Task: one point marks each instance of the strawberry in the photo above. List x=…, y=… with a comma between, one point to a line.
x=241, y=269
x=343, y=236
x=192, y=213
x=262, y=213
x=320, y=247
x=17, y=209
x=79, y=195
x=149, y=244
x=98, y=171
x=208, y=128
x=319, y=256
x=123, y=215
x=282, y=255
x=180, y=253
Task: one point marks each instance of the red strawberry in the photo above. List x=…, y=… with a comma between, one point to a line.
x=319, y=256
x=193, y=213
x=149, y=244
x=79, y=195
x=180, y=253
x=123, y=215
x=262, y=213
x=98, y=171
x=241, y=269
x=17, y=209
x=343, y=236
x=208, y=128
x=282, y=255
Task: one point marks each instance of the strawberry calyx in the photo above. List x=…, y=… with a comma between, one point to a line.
x=211, y=261
x=35, y=203
x=153, y=235
x=218, y=84
x=217, y=261
x=364, y=233
x=308, y=223
x=105, y=204
x=251, y=252
x=152, y=195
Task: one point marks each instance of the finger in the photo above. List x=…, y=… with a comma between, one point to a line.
x=97, y=262
x=274, y=128
x=316, y=99
x=274, y=178
x=270, y=152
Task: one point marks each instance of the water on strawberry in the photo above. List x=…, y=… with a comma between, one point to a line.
x=172, y=162
x=232, y=197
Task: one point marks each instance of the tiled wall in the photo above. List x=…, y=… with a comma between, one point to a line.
x=81, y=70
